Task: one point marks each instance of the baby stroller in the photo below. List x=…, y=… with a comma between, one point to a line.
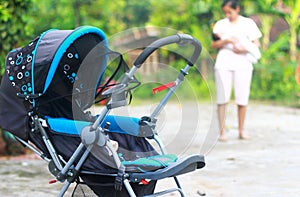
x=46, y=94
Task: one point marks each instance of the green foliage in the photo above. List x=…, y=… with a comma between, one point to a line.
x=13, y=19
x=266, y=6
x=22, y=20
x=276, y=50
x=292, y=18
x=191, y=17
x=274, y=75
x=275, y=82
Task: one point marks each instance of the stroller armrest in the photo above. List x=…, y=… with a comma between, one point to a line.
x=118, y=124
x=122, y=124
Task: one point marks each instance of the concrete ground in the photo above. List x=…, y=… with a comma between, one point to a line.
x=266, y=165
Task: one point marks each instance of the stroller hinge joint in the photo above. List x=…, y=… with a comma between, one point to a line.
x=147, y=127
x=73, y=176
x=90, y=136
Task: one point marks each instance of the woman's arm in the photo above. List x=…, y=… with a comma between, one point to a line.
x=219, y=43
x=240, y=48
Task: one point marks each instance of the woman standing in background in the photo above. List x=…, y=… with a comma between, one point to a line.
x=237, y=38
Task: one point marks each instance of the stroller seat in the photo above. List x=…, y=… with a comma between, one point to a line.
x=130, y=126
x=47, y=92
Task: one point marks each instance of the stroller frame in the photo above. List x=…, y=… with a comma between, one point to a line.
x=95, y=135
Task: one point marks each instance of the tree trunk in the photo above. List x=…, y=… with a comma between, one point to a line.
x=76, y=8
x=266, y=23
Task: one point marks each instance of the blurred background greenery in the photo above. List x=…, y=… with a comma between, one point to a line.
x=274, y=75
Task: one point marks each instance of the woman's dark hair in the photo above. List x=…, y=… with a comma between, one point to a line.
x=232, y=3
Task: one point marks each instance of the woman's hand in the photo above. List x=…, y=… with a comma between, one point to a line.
x=220, y=43
x=238, y=48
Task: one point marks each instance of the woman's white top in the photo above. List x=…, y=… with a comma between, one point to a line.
x=245, y=30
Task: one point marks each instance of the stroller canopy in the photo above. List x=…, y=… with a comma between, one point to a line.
x=32, y=68
x=44, y=73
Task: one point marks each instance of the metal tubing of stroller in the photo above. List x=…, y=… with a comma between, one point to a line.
x=100, y=118
x=71, y=160
x=167, y=192
x=48, y=143
x=64, y=189
x=83, y=157
x=52, y=153
x=163, y=102
x=178, y=184
x=77, y=168
x=159, y=142
x=129, y=75
x=114, y=154
x=129, y=188
x=32, y=148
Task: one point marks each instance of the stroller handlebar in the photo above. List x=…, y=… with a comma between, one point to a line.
x=180, y=39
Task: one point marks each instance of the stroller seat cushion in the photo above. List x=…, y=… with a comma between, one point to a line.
x=118, y=124
x=149, y=163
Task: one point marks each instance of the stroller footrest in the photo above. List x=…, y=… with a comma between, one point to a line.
x=181, y=166
x=152, y=163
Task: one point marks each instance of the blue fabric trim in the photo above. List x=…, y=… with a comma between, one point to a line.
x=66, y=126
x=118, y=124
x=122, y=124
x=33, y=60
x=65, y=45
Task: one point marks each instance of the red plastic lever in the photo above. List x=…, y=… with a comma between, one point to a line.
x=162, y=87
x=144, y=182
x=52, y=181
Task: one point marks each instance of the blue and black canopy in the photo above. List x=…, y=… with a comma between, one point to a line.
x=31, y=69
x=40, y=77
x=61, y=73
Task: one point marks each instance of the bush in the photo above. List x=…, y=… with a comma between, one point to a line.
x=275, y=81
